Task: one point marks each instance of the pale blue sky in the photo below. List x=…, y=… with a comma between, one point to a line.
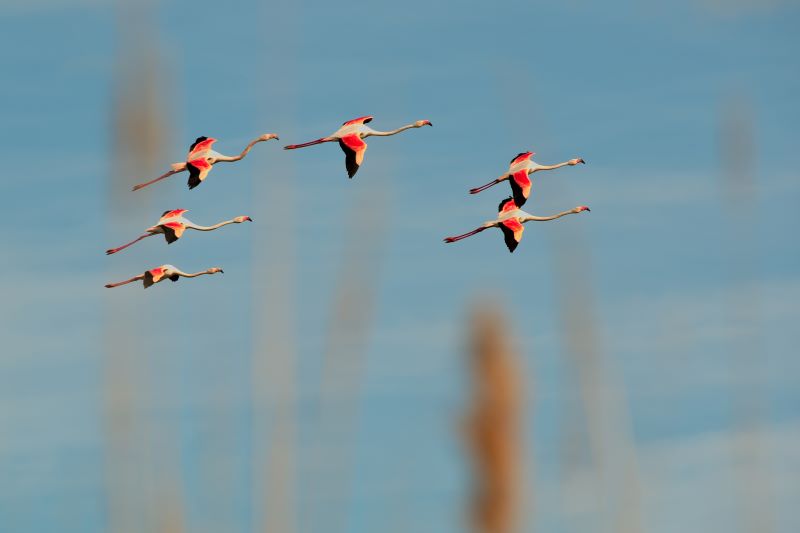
x=678, y=290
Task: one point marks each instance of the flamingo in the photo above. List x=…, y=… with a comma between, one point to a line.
x=158, y=274
x=518, y=171
x=172, y=224
x=350, y=137
x=510, y=220
x=201, y=158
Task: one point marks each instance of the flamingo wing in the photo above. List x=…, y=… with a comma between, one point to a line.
x=359, y=120
x=173, y=213
x=506, y=206
x=520, y=157
x=198, y=170
x=354, y=149
x=172, y=231
x=520, y=187
x=512, y=233
x=153, y=276
x=200, y=145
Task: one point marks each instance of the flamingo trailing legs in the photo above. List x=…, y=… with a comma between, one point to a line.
x=351, y=140
x=201, y=158
x=161, y=273
x=510, y=220
x=520, y=168
x=172, y=224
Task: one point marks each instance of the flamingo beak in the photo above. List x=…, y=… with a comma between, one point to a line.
x=581, y=161
x=248, y=219
x=429, y=123
x=221, y=271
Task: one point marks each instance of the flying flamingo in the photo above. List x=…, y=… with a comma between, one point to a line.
x=161, y=273
x=510, y=220
x=350, y=137
x=201, y=158
x=172, y=224
x=518, y=171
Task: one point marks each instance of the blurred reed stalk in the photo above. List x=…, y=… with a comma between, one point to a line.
x=611, y=448
x=493, y=425
x=143, y=488
x=274, y=287
x=739, y=190
x=274, y=381
x=351, y=317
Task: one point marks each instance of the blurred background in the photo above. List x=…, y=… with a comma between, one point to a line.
x=632, y=369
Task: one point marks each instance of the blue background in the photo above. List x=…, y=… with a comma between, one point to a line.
x=657, y=334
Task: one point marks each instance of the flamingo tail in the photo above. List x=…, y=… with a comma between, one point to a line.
x=176, y=167
x=112, y=285
x=476, y=190
x=310, y=143
x=117, y=249
x=464, y=235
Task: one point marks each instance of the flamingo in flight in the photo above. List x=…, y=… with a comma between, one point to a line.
x=172, y=224
x=201, y=158
x=158, y=274
x=518, y=171
x=351, y=139
x=510, y=220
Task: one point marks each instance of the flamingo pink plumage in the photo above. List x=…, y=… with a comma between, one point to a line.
x=351, y=140
x=172, y=224
x=201, y=158
x=510, y=220
x=518, y=171
x=158, y=274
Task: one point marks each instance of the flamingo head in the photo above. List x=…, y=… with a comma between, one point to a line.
x=581, y=208
x=268, y=136
x=576, y=161
x=420, y=123
x=214, y=270
x=239, y=220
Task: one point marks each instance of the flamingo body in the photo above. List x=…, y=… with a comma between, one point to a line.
x=519, y=170
x=510, y=220
x=159, y=274
x=201, y=158
x=172, y=225
x=350, y=137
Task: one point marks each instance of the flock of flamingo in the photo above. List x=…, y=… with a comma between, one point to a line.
x=350, y=136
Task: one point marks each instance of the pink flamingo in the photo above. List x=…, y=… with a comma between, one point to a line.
x=518, y=171
x=510, y=220
x=161, y=273
x=201, y=158
x=172, y=224
x=350, y=137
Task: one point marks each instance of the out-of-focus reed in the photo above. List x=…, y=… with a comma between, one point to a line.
x=739, y=193
x=144, y=492
x=492, y=428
